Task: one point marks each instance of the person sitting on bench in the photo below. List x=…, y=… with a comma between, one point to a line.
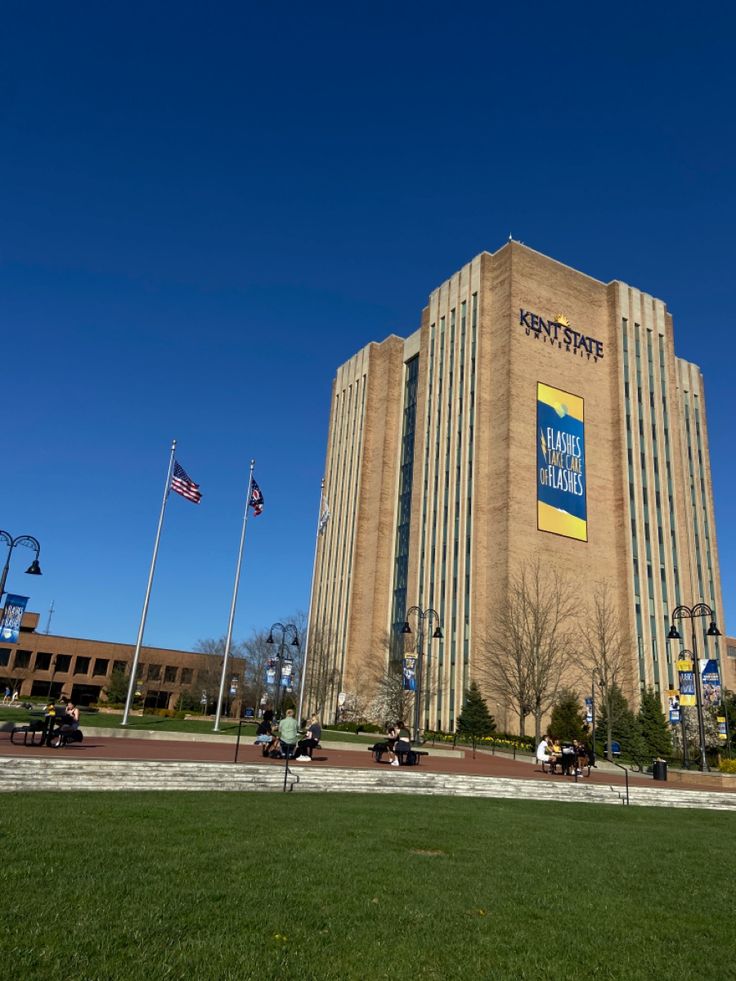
x=305, y=747
x=386, y=747
x=402, y=746
x=288, y=734
x=69, y=721
x=543, y=754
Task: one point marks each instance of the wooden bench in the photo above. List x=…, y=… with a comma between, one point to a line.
x=410, y=757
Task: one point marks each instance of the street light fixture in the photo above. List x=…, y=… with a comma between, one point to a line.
x=34, y=569
x=421, y=616
x=693, y=613
x=285, y=629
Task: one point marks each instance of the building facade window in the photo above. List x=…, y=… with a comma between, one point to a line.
x=22, y=660
x=406, y=481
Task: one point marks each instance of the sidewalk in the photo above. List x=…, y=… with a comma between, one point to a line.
x=127, y=746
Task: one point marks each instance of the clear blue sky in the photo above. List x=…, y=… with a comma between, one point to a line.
x=205, y=209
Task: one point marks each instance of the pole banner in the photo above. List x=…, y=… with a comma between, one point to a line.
x=673, y=699
x=588, y=710
x=286, y=672
x=409, y=680
x=710, y=681
x=687, y=683
x=722, y=734
x=561, y=498
x=12, y=616
x=271, y=673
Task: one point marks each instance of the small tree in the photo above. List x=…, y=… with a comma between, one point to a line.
x=567, y=721
x=116, y=690
x=189, y=701
x=475, y=720
x=655, y=730
x=622, y=725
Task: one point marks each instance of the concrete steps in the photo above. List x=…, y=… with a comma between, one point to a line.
x=61, y=772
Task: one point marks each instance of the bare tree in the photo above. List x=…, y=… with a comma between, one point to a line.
x=258, y=654
x=524, y=657
x=391, y=701
x=606, y=651
x=208, y=678
x=322, y=674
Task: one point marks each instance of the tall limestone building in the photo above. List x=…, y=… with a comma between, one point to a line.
x=537, y=414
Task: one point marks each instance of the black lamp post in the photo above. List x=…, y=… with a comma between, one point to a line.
x=51, y=679
x=285, y=629
x=34, y=569
x=421, y=616
x=692, y=614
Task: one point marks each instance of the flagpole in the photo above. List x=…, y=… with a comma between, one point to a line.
x=144, y=614
x=309, y=615
x=229, y=637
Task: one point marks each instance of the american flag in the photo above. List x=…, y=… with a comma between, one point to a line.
x=256, y=499
x=183, y=484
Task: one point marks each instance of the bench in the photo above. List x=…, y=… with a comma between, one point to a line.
x=553, y=767
x=42, y=733
x=35, y=730
x=411, y=757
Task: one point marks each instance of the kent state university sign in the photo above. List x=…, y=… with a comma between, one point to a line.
x=559, y=333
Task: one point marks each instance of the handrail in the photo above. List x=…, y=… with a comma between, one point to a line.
x=287, y=771
x=627, y=802
x=241, y=722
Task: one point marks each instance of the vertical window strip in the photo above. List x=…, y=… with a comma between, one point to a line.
x=704, y=500
x=403, y=526
x=355, y=475
x=469, y=481
x=435, y=512
x=427, y=443
x=632, y=498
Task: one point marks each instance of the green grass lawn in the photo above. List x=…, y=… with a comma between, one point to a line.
x=239, y=886
x=158, y=723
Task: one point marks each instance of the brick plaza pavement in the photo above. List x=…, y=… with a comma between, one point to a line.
x=96, y=747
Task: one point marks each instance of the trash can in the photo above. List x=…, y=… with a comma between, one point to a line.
x=659, y=769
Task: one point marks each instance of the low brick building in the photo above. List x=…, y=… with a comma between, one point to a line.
x=49, y=666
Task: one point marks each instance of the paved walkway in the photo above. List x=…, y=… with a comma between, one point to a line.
x=462, y=763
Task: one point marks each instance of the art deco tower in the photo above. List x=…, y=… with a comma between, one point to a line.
x=536, y=413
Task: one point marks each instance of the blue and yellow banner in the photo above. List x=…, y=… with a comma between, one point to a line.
x=409, y=673
x=710, y=681
x=687, y=682
x=12, y=616
x=561, y=497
